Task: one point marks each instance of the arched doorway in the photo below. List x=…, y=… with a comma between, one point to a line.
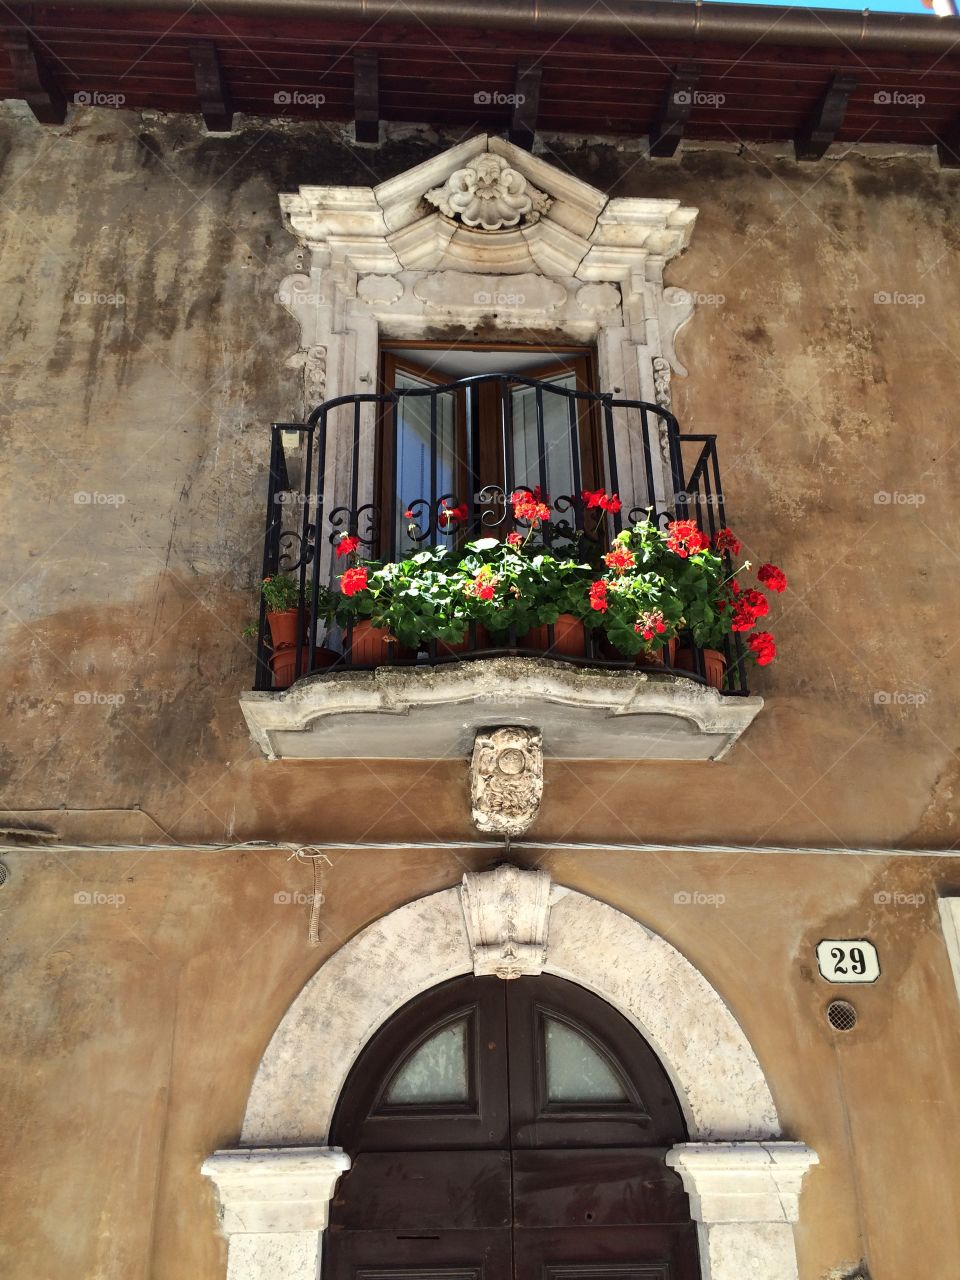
x=509, y=1129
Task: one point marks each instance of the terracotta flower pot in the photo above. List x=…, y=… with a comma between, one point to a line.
x=283, y=628
x=373, y=646
x=463, y=646
x=569, y=638
x=283, y=663
x=714, y=665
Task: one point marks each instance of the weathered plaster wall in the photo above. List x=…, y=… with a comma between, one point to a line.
x=132, y=1029
x=821, y=399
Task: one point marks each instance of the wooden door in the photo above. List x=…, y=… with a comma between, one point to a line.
x=505, y=1130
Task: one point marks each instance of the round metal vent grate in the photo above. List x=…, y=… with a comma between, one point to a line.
x=841, y=1015
x=3, y=872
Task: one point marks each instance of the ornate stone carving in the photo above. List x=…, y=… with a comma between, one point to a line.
x=598, y=299
x=506, y=780
x=661, y=392
x=507, y=914
x=489, y=194
x=374, y=289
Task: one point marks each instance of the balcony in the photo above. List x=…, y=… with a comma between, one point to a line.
x=427, y=466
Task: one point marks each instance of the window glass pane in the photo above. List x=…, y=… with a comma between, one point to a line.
x=436, y=1072
x=558, y=437
x=413, y=458
x=576, y=1071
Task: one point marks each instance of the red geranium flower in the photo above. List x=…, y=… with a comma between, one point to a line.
x=408, y=515
x=725, y=540
x=773, y=579
x=451, y=515
x=600, y=498
x=750, y=606
x=514, y=539
x=352, y=581
x=650, y=624
x=762, y=647
x=619, y=559
x=529, y=507
x=685, y=538
x=598, y=597
x=346, y=545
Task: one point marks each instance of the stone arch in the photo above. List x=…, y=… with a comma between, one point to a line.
x=743, y=1178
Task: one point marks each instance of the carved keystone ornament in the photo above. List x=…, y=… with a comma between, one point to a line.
x=507, y=915
x=490, y=195
x=506, y=780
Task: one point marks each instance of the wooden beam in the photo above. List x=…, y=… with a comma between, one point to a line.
x=33, y=78
x=366, y=97
x=215, y=104
x=667, y=130
x=526, y=105
x=820, y=130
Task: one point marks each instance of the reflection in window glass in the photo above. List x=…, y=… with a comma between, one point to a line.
x=436, y=1072
x=413, y=458
x=557, y=438
x=576, y=1071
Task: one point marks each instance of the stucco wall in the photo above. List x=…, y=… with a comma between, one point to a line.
x=132, y=1029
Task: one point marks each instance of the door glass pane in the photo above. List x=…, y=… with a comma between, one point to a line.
x=413, y=460
x=576, y=1070
x=559, y=437
x=436, y=1072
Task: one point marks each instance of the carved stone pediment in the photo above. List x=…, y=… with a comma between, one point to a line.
x=489, y=194
x=506, y=779
x=507, y=914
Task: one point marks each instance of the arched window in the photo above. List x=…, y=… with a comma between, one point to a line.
x=509, y=1130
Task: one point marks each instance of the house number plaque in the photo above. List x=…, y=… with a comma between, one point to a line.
x=848, y=960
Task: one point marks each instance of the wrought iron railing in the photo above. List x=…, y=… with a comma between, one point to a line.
x=323, y=484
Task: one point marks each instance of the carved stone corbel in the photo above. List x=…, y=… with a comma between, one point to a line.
x=507, y=914
x=506, y=780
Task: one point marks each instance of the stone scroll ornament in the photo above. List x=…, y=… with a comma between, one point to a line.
x=490, y=195
x=506, y=780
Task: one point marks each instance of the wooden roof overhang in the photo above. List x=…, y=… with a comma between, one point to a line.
x=733, y=73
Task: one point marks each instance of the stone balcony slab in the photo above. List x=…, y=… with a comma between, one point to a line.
x=429, y=712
